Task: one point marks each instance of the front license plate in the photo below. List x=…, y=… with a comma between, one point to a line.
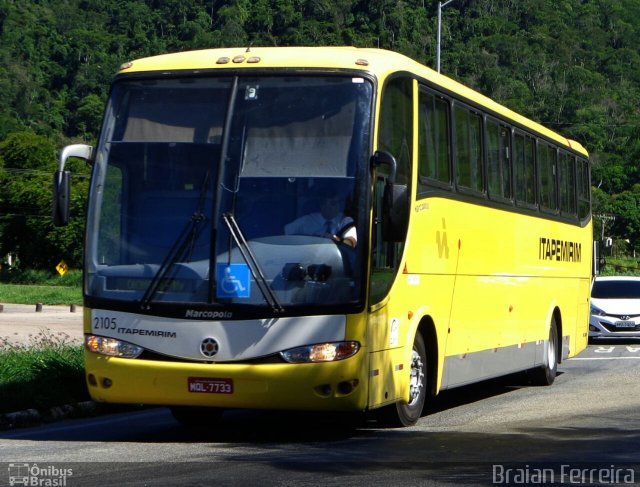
x=625, y=324
x=210, y=386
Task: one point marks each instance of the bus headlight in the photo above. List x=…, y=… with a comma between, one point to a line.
x=111, y=347
x=321, y=352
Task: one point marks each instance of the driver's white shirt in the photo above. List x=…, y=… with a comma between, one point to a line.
x=315, y=224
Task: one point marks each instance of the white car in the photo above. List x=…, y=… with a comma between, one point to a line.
x=615, y=307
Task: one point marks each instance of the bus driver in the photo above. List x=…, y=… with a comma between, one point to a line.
x=329, y=222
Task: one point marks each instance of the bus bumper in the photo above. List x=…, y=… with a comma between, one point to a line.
x=326, y=386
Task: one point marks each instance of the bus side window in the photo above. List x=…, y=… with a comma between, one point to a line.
x=498, y=166
x=468, y=148
x=525, y=170
x=434, y=143
x=567, y=184
x=584, y=189
x=395, y=135
x=547, y=168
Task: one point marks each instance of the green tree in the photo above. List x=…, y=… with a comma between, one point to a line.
x=626, y=207
x=569, y=64
x=89, y=115
x=27, y=161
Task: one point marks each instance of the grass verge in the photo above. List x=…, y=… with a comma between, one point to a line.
x=25, y=286
x=45, y=373
x=29, y=294
x=620, y=266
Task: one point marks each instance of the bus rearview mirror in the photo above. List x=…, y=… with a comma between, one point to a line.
x=61, y=197
x=395, y=211
x=62, y=181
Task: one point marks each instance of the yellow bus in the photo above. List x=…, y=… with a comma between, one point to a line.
x=325, y=228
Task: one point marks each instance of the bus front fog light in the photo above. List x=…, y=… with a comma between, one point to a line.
x=347, y=386
x=324, y=390
x=321, y=352
x=111, y=347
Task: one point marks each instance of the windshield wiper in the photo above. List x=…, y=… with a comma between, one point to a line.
x=217, y=203
x=181, y=249
x=254, y=266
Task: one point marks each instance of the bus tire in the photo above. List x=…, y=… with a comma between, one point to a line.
x=546, y=374
x=196, y=417
x=408, y=413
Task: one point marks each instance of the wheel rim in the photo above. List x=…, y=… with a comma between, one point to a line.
x=416, y=383
x=551, y=351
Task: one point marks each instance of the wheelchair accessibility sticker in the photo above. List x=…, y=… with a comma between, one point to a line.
x=234, y=281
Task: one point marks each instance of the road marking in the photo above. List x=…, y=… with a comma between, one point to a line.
x=605, y=358
x=604, y=349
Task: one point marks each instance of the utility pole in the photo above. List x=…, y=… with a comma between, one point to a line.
x=441, y=5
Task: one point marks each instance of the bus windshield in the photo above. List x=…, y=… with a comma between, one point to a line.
x=231, y=191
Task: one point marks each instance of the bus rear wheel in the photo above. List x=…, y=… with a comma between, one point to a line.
x=408, y=413
x=546, y=374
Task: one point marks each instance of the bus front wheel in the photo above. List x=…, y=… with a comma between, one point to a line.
x=408, y=413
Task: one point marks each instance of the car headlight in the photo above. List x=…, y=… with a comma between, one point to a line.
x=111, y=347
x=321, y=352
x=597, y=311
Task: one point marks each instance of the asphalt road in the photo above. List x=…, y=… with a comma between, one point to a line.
x=583, y=430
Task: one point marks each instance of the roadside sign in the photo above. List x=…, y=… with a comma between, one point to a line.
x=62, y=267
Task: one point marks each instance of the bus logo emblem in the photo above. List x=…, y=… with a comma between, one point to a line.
x=209, y=347
x=441, y=241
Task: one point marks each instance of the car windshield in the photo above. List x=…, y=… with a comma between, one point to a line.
x=610, y=289
x=214, y=190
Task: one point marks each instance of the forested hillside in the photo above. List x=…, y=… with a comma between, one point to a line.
x=573, y=65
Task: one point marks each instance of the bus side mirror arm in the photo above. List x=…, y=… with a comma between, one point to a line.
x=381, y=157
x=395, y=201
x=62, y=182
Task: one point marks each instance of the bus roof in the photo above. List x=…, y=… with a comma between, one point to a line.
x=378, y=62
